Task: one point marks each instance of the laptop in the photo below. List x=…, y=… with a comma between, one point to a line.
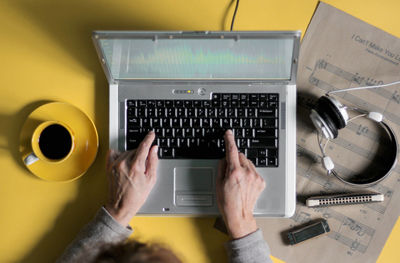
x=190, y=87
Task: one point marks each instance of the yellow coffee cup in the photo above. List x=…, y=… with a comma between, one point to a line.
x=52, y=141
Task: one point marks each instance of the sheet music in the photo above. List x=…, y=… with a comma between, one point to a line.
x=338, y=52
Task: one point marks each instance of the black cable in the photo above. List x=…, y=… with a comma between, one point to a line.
x=234, y=14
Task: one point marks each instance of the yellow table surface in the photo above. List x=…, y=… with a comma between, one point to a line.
x=46, y=54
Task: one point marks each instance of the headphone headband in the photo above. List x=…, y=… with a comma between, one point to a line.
x=370, y=182
x=329, y=116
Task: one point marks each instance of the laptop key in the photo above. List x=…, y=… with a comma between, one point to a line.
x=197, y=103
x=226, y=123
x=211, y=113
x=191, y=112
x=175, y=123
x=174, y=142
x=163, y=142
x=238, y=133
x=207, y=103
x=166, y=152
x=262, y=113
x=168, y=132
x=141, y=112
x=248, y=133
x=272, y=162
x=261, y=162
x=156, y=123
x=186, y=123
x=133, y=144
x=265, y=133
x=273, y=97
x=205, y=123
x=251, y=153
x=179, y=133
x=272, y=153
x=159, y=132
x=201, y=112
x=251, y=112
x=269, y=123
x=131, y=103
x=262, y=143
x=160, y=103
x=262, y=152
x=151, y=112
x=146, y=123
x=134, y=122
x=188, y=132
x=188, y=104
x=272, y=104
x=246, y=123
x=257, y=123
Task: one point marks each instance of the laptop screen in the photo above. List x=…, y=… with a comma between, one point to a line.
x=198, y=58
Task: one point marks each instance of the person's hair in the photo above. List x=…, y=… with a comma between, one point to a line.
x=132, y=251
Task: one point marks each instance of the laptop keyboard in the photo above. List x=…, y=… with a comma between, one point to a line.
x=194, y=129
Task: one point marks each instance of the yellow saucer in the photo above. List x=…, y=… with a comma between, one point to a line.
x=85, y=151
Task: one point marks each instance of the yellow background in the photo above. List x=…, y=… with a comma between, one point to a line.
x=46, y=54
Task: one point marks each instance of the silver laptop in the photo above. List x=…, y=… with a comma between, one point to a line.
x=189, y=87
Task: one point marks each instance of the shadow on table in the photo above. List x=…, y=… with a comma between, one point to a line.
x=213, y=239
x=10, y=129
x=70, y=24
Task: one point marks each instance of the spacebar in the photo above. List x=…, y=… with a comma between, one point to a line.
x=198, y=153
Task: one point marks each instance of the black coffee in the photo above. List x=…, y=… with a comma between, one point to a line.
x=55, y=142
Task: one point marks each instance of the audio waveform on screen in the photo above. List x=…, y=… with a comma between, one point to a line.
x=186, y=55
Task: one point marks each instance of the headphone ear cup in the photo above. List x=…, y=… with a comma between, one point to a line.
x=329, y=124
x=325, y=104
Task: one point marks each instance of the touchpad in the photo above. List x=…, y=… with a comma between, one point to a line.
x=193, y=186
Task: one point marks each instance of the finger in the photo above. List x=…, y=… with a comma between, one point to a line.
x=260, y=178
x=221, y=170
x=143, y=150
x=232, y=154
x=122, y=159
x=152, y=163
x=252, y=167
x=112, y=155
x=244, y=162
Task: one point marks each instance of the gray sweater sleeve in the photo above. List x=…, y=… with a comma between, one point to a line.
x=250, y=249
x=102, y=229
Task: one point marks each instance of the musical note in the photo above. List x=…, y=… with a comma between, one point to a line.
x=396, y=96
x=362, y=129
x=354, y=245
x=358, y=79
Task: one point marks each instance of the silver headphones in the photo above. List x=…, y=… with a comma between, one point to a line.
x=329, y=116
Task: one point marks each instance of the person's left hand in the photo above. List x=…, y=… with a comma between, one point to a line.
x=132, y=175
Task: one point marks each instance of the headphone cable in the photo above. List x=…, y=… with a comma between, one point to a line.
x=366, y=87
x=234, y=14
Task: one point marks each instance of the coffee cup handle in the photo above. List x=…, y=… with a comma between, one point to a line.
x=30, y=159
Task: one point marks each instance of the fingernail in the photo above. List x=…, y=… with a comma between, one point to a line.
x=229, y=132
x=155, y=149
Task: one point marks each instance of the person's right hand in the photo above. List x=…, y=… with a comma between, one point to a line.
x=238, y=188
